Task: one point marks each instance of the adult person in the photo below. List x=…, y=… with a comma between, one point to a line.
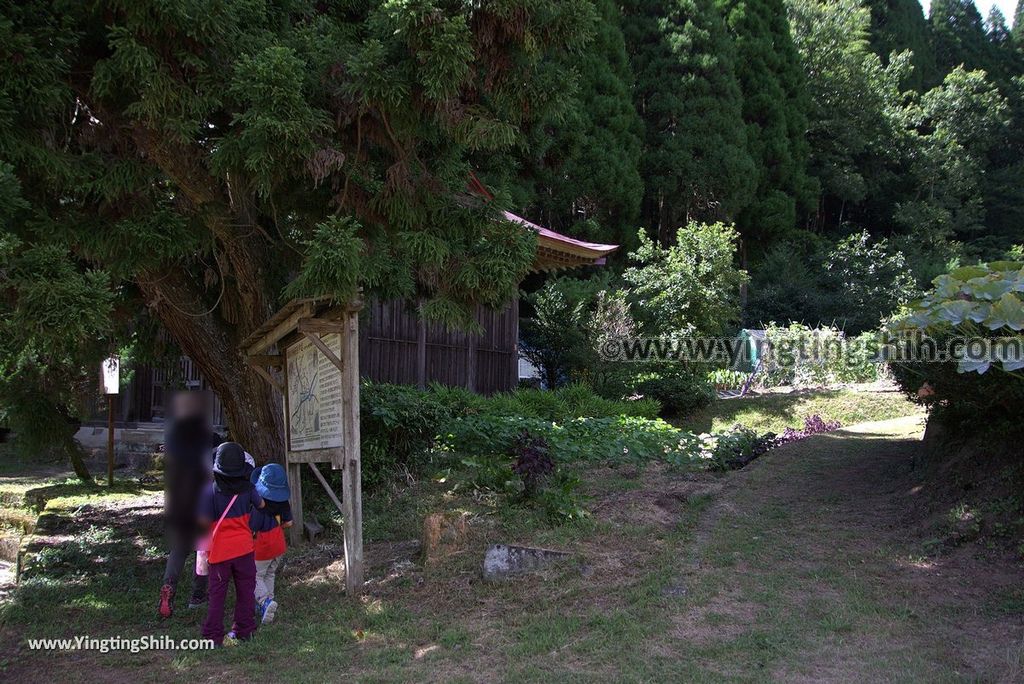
x=189, y=442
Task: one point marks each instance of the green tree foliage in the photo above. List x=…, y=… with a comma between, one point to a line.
x=852, y=129
x=695, y=162
x=188, y=158
x=996, y=28
x=960, y=37
x=1018, y=22
x=775, y=107
x=572, y=318
x=690, y=287
x=580, y=172
x=852, y=283
x=899, y=25
x=955, y=129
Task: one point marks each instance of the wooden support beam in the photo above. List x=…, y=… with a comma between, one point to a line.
x=352, y=491
x=327, y=487
x=295, y=501
x=268, y=377
x=320, y=325
x=281, y=330
x=265, y=360
x=324, y=349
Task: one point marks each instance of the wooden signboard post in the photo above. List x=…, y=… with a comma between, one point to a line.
x=110, y=383
x=316, y=369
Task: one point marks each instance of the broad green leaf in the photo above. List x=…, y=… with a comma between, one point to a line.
x=1007, y=312
x=965, y=273
x=988, y=288
x=980, y=312
x=1009, y=351
x=1006, y=265
x=946, y=287
x=955, y=312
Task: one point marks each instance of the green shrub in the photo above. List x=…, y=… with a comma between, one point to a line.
x=727, y=379
x=802, y=356
x=580, y=440
x=680, y=392
x=400, y=424
x=397, y=425
x=983, y=303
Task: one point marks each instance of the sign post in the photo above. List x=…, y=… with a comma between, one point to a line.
x=110, y=383
x=317, y=373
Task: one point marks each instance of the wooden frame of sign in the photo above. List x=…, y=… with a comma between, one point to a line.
x=316, y=369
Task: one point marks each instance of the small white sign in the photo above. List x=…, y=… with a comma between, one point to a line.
x=110, y=375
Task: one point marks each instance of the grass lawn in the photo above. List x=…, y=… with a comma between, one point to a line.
x=800, y=566
x=775, y=412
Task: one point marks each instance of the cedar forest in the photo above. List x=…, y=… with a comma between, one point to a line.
x=170, y=172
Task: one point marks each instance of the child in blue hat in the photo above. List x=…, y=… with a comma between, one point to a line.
x=269, y=524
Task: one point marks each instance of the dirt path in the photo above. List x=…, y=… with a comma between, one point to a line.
x=809, y=560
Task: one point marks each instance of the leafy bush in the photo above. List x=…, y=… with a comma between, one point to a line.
x=740, y=445
x=691, y=287
x=984, y=303
x=734, y=448
x=680, y=392
x=571, y=319
x=397, y=426
x=852, y=284
x=727, y=379
x=533, y=462
x=802, y=356
x=399, y=423
x=580, y=440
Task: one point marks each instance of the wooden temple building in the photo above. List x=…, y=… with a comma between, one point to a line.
x=395, y=345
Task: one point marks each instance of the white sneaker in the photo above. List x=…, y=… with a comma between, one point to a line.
x=269, y=609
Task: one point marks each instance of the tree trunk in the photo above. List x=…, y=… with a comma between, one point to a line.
x=252, y=406
x=74, y=452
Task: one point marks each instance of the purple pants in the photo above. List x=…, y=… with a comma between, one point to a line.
x=243, y=571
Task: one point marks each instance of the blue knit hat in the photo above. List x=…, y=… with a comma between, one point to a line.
x=271, y=482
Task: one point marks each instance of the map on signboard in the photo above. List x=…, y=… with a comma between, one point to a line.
x=314, y=396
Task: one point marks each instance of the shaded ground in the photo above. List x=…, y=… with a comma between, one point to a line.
x=800, y=567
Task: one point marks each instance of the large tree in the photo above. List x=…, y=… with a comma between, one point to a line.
x=775, y=107
x=852, y=129
x=581, y=170
x=959, y=35
x=898, y=25
x=196, y=162
x=695, y=163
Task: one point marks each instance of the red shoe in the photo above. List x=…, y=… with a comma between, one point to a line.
x=166, y=601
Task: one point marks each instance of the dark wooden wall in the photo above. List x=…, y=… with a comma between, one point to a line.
x=395, y=346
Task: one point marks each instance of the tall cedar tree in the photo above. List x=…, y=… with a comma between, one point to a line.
x=696, y=166
x=1018, y=22
x=775, y=107
x=898, y=25
x=581, y=171
x=960, y=37
x=189, y=159
x=852, y=131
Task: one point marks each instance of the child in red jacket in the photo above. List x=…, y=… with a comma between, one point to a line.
x=225, y=507
x=269, y=524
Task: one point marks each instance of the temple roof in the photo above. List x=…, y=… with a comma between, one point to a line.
x=555, y=251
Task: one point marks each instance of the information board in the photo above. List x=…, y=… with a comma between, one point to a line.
x=314, y=396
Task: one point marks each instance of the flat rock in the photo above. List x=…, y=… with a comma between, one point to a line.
x=504, y=560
